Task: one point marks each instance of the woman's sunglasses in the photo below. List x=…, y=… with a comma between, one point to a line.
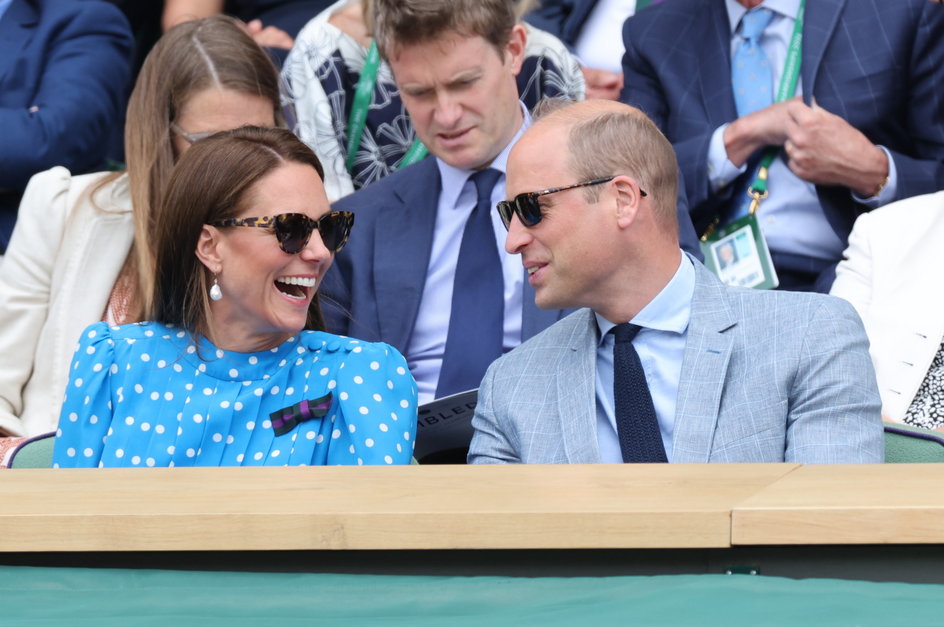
x=526, y=205
x=293, y=230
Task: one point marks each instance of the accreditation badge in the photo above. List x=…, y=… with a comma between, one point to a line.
x=738, y=255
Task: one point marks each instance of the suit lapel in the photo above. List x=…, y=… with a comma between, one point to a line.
x=714, y=47
x=576, y=391
x=402, y=245
x=15, y=33
x=704, y=370
x=819, y=22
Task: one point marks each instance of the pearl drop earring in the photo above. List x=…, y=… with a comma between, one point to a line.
x=216, y=293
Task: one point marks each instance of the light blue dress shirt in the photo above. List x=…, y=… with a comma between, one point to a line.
x=791, y=218
x=661, y=346
x=457, y=199
x=4, y=5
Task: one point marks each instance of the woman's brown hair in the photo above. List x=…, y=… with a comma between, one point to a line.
x=208, y=185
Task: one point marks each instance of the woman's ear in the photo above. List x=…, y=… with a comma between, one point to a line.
x=209, y=248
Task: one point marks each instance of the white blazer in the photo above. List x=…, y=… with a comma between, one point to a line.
x=55, y=279
x=891, y=274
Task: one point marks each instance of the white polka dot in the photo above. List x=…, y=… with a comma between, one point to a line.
x=369, y=442
x=401, y=370
x=250, y=425
x=113, y=369
x=240, y=458
x=275, y=389
x=299, y=361
x=217, y=437
x=253, y=360
x=197, y=418
x=145, y=357
x=155, y=396
x=150, y=462
x=90, y=350
x=364, y=411
x=358, y=379
x=388, y=459
x=191, y=349
x=97, y=368
x=383, y=427
x=136, y=460
x=323, y=372
x=178, y=368
x=230, y=439
x=378, y=397
x=310, y=435
x=71, y=452
x=233, y=372
x=171, y=449
x=266, y=424
x=357, y=349
x=91, y=333
x=129, y=420
x=276, y=452
x=145, y=426
x=180, y=431
x=225, y=404
x=343, y=396
x=390, y=385
x=393, y=415
x=404, y=403
x=320, y=439
x=149, y=333
x=406, y=436
x=138, y=388
x=58, y=433
x=191, y=452
x=238, y=406
x=168, y=396
x=351, y=448
x=219, y=354
x=332, y=384
x=208, y=391
x=73, y=417
x=375, y=365
x=282, y=363
x=335, y=434
x=360, y=462
x=159, y=429
x=289, y=391
x=202, y=368
x=161, y=363
x=257, y=456
x=352, y=428
x=188, y=386
x=78, y=383
x=399, y=449
x=258, y=391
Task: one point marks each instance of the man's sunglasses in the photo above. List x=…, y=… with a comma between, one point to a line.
x=526, y=205
x=293, y=230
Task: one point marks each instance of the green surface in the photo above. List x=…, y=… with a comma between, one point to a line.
x=902, y=449
x=72, y=596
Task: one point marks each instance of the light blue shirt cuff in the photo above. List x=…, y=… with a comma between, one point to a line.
x=887, y=194
x=720, y=169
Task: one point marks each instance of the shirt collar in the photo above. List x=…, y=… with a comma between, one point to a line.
x=670, y=310
x=786, y=8
x=454, y=179
x=4, y=5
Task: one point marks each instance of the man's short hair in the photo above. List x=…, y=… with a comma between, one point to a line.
x=399, y=23
x=626, y=143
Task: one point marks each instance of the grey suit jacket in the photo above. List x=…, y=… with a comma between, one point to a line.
x=766, y=377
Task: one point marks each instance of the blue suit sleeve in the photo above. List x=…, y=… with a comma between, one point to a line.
x=76, y=100
x=86, y=410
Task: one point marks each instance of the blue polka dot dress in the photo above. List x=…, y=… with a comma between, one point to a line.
x=144, y=395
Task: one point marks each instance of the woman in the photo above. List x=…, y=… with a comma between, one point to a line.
x=888, y=274
x=82, y=247
x=226, y=375
x=333, y=57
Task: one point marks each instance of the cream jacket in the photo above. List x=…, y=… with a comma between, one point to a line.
x=891, y=273
x=55, y=279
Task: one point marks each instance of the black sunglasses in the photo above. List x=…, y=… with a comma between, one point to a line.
x=528, y=209
x=293, y=230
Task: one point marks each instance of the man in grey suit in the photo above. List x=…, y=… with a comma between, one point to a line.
x=734, y=375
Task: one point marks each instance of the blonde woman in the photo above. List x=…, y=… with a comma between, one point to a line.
x=82, y=250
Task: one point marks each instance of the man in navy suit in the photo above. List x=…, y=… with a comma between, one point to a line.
x=397, y=280
x=864, y=129
x=63, y=76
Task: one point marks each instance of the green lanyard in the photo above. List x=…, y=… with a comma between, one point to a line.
x=788, y=82
x=358, y=117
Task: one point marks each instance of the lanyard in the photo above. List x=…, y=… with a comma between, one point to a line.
x=788, y=82
x=358, y=117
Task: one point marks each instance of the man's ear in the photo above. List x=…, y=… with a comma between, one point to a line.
x=515, y=47
x=209, y=248
x=628, y=199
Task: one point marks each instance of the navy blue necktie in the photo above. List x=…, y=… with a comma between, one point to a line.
x=636, y=423
x=476, y=320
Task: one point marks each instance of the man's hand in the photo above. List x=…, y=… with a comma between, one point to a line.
x=823, y=148
x=602, y=83
x=765, y=127
x=269, y=36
